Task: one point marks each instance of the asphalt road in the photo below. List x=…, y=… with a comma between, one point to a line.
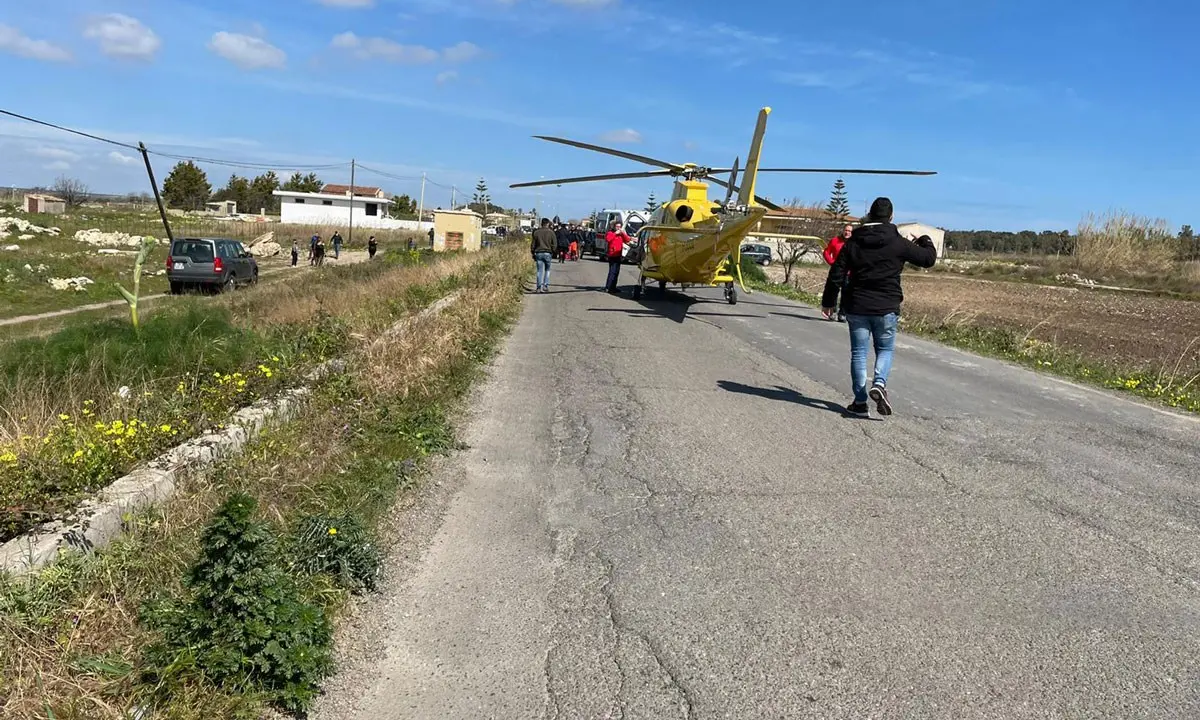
x=663, y=514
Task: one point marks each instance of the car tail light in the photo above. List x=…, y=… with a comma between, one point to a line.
x=218, y=265
x=169, y=264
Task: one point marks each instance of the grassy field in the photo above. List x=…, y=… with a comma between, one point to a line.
x=84, y=403
x=104, y=635
x=25, y=273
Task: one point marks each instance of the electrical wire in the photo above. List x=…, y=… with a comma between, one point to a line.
x=69, y=130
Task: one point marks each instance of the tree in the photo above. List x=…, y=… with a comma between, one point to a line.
x=404, y=207
x=1189, y=244
x=791, y=252
x=481, y=201
x=72, y=191
x=838, y=206
x=262, y=192
x=186, y=187
x=237, y=190
x=651, y=203
x=303, y=183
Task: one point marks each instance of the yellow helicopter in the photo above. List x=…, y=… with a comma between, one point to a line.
x=691, y=240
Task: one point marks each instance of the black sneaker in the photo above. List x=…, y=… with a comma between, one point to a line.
x=858, y=410
x=879, y=395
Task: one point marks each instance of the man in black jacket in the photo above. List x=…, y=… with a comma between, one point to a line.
x=870, y=264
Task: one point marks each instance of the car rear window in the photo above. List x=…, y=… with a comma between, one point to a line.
x=197, y=250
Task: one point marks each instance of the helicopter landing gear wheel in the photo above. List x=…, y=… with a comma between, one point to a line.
x=731, y=294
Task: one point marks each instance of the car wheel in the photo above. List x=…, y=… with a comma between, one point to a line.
x=230, y=283
x=766, y=263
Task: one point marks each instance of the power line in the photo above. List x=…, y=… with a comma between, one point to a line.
x=256, y=165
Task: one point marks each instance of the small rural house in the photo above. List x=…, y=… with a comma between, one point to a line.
x=222, y=208
x=45, y=204
x=457, y=230
x=368, y=207
x=913, y=230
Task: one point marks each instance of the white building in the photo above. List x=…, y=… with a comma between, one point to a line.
x=914, y=230
x=368, y=208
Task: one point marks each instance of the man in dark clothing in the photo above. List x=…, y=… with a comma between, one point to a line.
x=541, y=248
x=869, y=265
x=562, y=242
x=373, y=246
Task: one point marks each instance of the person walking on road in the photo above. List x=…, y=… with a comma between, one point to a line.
x=336, y=241
x=295, y=252
x=373, y=246
x=542, y=248
x=869, y=264
x=319, y=252
x=312, y=248
x=617, y=239
x=830, y=253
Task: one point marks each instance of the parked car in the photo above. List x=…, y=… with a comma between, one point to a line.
x=209, y=263
x=760, y=254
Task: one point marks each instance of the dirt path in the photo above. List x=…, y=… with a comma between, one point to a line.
x=1109, y=326
x=349, y=257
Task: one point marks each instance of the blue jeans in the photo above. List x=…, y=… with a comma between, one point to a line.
x=863, y=329
x=614, y=272
x=542, y=260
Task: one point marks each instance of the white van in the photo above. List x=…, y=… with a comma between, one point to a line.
x=632, y=220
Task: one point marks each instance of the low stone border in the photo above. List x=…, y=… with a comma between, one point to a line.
x=100, y=520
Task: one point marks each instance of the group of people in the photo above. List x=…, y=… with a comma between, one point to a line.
x=316, y=248
x=862, y=289
x=563, y=241
x=568, y=238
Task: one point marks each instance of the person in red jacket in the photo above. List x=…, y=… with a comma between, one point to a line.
x=830, y=253
x=617, y=239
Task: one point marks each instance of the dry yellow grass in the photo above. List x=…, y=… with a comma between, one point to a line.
x=1119, y=241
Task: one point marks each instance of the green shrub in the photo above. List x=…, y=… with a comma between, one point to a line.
x=752, y=272
x=339, y=546
x=243, y=623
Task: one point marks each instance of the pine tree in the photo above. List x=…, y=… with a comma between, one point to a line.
x=186, y=187
x=481, y=200
x=651, y=203
x=838, y=206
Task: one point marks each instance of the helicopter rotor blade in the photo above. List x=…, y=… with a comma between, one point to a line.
x=835, y=171
x=734, y=188
x=616, y=153
x=733, y=172
x=595, y=178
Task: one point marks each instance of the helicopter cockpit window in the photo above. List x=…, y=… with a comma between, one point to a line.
x=635, y=226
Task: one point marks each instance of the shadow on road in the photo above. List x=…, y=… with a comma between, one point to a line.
x=783, y=394
x=801, y=317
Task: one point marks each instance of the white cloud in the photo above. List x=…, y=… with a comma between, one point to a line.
x=461, y=53
x=14, y=42
x=54, y=153
x=121, y=36
x=376, y=48
x=348, y=3
x=617, y=137
x=248, y=53
x=60, y=165
x=447, y=76
x=120, y=159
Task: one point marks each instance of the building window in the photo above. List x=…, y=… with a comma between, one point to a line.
x=326, y=202
x=372, y=209
x=299, y=201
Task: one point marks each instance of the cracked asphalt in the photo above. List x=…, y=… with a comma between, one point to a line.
x=663, y=514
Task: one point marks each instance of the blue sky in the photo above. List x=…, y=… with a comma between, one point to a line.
x=1033, y=113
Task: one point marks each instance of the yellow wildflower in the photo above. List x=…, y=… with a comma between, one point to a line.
x=64, y=416
x=165, y=428
x=333, y=531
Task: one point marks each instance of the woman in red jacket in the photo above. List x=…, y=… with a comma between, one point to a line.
x=831, y=255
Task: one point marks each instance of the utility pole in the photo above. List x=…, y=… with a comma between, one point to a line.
x=453, y=196
x=350, y=233
x=421, y=207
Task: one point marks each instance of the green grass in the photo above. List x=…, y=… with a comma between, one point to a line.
x=349, y=454
x=1173, y=389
